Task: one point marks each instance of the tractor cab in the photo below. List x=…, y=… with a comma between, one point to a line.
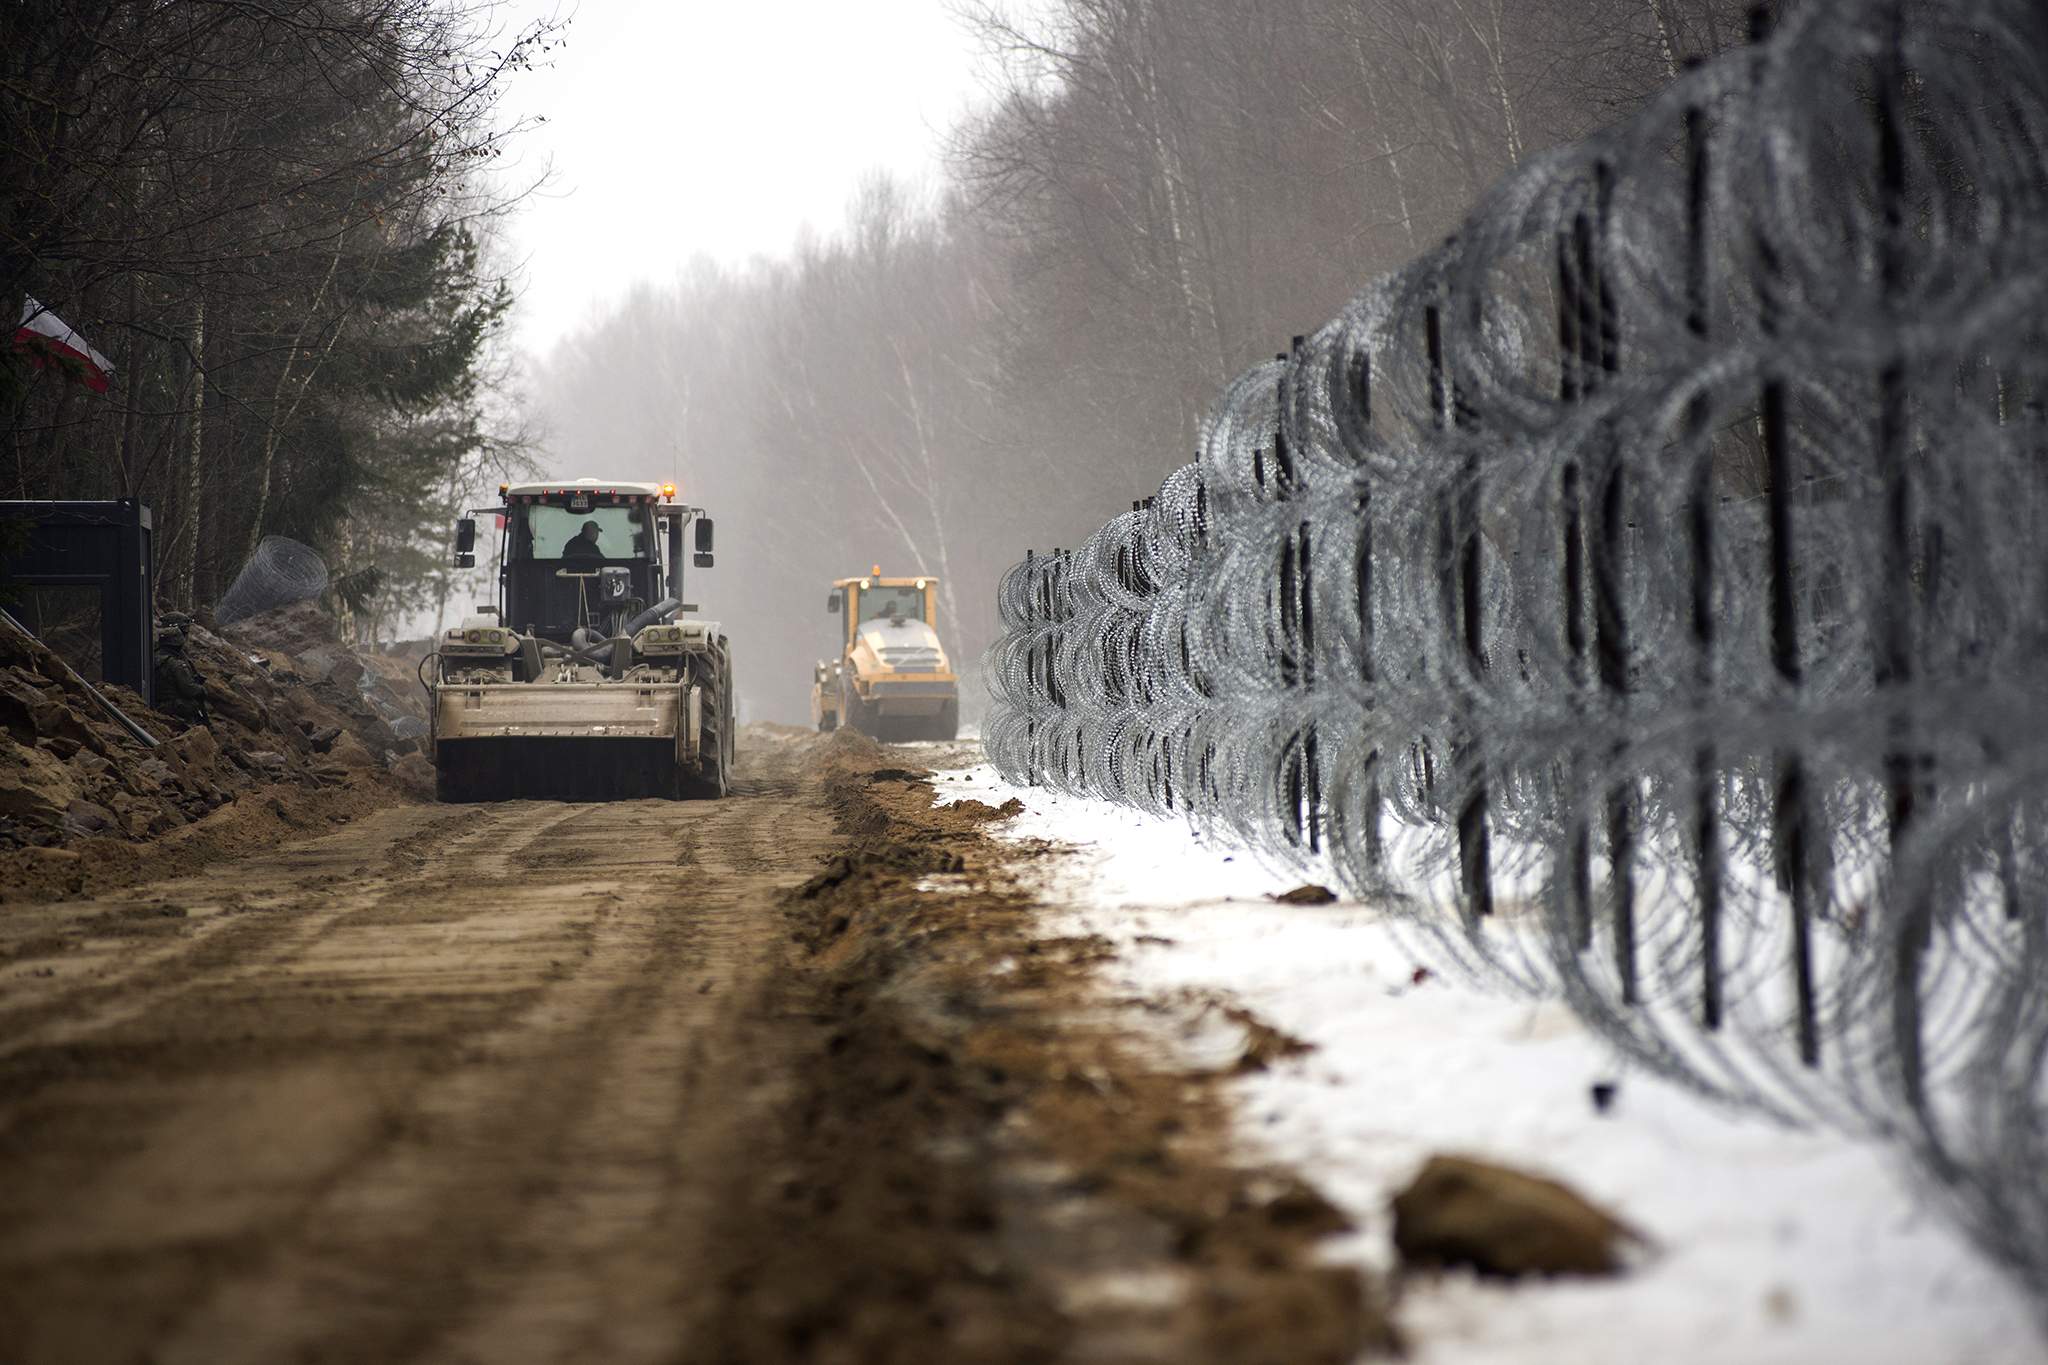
x=582, y=561
x=898, y=601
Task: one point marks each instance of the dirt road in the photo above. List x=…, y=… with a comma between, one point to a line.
x=747, y=1080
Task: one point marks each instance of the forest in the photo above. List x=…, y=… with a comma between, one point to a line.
x=1157, y=194
x=275, y=218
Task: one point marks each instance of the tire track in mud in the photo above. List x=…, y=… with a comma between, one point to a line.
x=492, y=1046
x=542, y=1082
x=979, y=1163
x=632, y=1232
x=584, y=1166
x=98, y=980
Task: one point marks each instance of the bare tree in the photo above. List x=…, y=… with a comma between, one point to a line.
x=270, y=209
x=1157, y=195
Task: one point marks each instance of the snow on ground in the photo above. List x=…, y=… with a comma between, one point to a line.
x=1774, y=1245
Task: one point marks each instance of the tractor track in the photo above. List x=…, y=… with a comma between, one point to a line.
x=428, y=1087
x=551, y=1082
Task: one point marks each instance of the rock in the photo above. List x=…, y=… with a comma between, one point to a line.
x=1287, y=1201
x=415, y=774
x=322, y=737
x=34, y=786
x=1500, y=1221
x=331, y=663
x=128, y=701
x=85, y=817
x=52, y=717
x=347, y=752
x=17, y=715
x=1264, y=1044
x=266, y=761
x=150, y=773
x=1308, y=893
x=280, y=666
x=51, y=669
x=198, y=747
x=235, y=702
x=133, y=813
x=400, y=711
x=38, y=709
x=971, y=809
x=306, y=716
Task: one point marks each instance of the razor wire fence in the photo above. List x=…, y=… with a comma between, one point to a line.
x=280, y=572
x=1647, y=590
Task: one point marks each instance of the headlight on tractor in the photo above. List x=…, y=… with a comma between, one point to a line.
x=491, y=640
x=675, y=637
x=659, y=640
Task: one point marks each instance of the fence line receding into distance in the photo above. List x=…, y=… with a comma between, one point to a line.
x=1647, y=590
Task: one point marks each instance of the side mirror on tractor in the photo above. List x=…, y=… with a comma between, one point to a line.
x=702, y=559
x=465, y=543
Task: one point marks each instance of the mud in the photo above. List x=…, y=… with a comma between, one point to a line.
x=257, y=818
x=787, y=1077
x=303, y=732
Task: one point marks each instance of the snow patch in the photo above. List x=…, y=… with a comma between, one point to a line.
x=1772, y=1244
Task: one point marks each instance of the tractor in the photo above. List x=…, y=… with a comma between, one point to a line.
x=586, y=680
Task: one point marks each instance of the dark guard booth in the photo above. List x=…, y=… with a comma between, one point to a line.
x=103, y=546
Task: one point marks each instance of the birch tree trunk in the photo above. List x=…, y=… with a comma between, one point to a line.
x=1664, y=44
x=188, y=570
x=345, y=615
x=1496, y=55
x=275, y=433
x=131, y=477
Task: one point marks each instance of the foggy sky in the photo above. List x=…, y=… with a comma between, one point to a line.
x=678, y=128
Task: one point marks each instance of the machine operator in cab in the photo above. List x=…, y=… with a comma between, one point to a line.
x=583, y=545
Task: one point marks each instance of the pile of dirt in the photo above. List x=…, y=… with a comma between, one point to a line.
x=292, y=711
x=982, y=1166
x=1500, y=1221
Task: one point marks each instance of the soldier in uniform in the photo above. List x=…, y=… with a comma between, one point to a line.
x=180, y=691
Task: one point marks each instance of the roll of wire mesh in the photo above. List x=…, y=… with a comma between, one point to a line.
x=281, y=571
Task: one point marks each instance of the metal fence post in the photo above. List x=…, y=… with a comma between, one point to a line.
x=1458, y=528
x=1896, y=625
x=1031, y=668
x=1790, y=822
x=1699, y=441
x=1601, y=347
x=1362, y=580
x=1571, y=312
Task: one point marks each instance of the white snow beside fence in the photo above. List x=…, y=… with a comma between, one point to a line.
x=1799, y=1247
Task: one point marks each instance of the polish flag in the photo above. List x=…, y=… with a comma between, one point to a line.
x=47, y=340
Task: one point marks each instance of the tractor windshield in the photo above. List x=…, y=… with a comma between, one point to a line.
x=883, y=604
x=545, y=532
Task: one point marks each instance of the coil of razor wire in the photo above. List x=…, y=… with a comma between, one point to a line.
x=1647, y=591
x=280, y=572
